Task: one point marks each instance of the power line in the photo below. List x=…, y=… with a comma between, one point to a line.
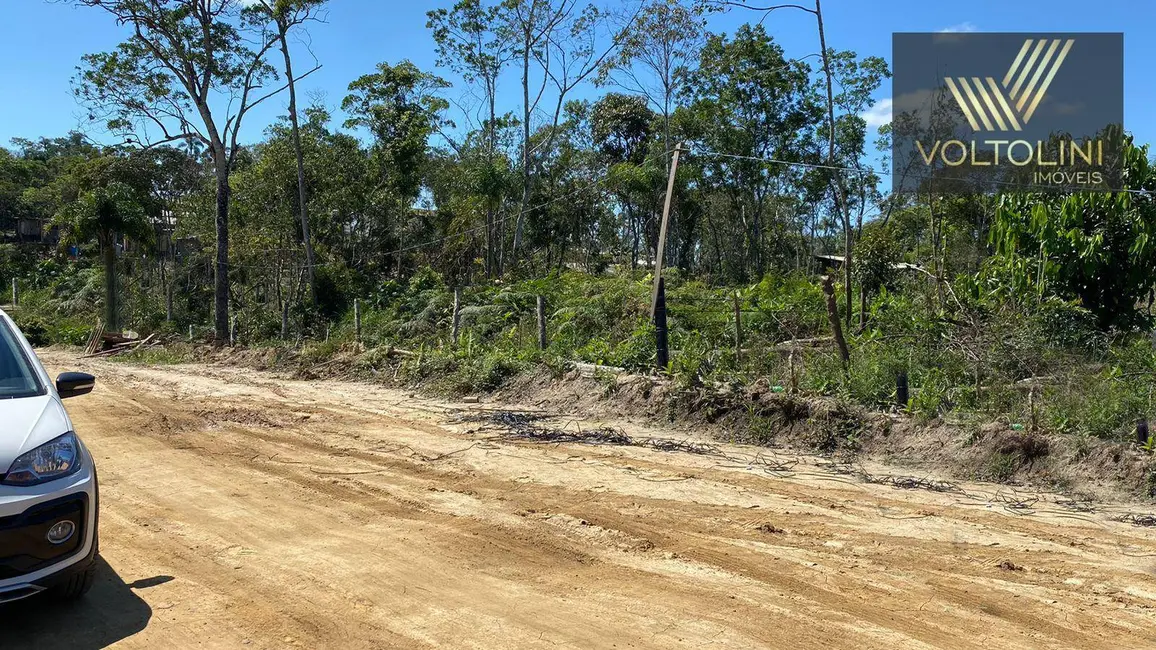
x=776, y=161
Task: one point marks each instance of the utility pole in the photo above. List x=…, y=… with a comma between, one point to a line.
x=662, y=230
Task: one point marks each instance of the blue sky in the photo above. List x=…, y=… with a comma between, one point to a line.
x=42, y=43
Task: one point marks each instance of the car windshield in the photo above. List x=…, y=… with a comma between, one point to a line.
x=17, y=378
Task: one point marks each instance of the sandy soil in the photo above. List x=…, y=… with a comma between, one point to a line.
x=244, y=510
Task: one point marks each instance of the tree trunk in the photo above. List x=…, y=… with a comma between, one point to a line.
x=167, y=285
x=110, y=307
x=847, y=284
x=862, y=307
x=526, y=44
x=936, y=234
x=221, y=288
x=840, y=200
x=491, y=147
x=489, y=239
x=833, y=316
x=300, y=163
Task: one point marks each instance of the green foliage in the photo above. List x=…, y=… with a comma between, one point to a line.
x=1095, y=246
x=34, y=328
x=398, y=106
x=876, y=254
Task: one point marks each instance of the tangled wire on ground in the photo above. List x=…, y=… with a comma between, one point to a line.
x=911, y=483
x=1077, y=505
x=524, y=427
x=1146, y=521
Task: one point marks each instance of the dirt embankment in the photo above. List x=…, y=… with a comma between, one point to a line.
x=245, y=510
x=1084, y=468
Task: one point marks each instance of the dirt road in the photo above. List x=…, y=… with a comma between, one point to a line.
x=243, y=510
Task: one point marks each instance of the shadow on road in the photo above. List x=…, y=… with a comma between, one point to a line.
x=109, y=613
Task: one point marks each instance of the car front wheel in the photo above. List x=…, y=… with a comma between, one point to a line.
x=78, y=584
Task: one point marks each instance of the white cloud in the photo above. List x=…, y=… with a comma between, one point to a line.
x=966, y=26
x=879, y=113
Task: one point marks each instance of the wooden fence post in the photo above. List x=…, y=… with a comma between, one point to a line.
x=660, y=334
x=794, y=374
x=13, y=292
x=455, y=327
x=190, y=331
x=1032, y=408
x=357, y=320
x=542, y=323
x=285, y=320
x=233, y=331
x=738, y=331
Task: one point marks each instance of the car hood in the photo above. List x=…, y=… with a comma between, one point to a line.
x=28, y=422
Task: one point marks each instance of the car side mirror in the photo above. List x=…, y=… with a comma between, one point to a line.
x=71, y=384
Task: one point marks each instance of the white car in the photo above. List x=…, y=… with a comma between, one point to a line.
x=48, y=492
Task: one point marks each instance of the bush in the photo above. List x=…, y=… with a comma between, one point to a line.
x=34, y=328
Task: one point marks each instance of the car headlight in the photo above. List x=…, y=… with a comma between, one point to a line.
x=54, y=459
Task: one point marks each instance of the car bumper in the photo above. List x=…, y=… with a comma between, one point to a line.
x=28, y=563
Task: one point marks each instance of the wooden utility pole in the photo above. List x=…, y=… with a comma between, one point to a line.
x=662, y=230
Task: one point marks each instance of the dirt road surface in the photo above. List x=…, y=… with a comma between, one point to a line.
x=242, y=510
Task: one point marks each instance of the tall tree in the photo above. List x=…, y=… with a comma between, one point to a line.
x=622, y=130
x=190, y=70
x=286, y=16
x=751, y=103
x=531, y=22
x=474, y=40
x=837, y=177
x=100, y=202
x=656, y=43
x=568, y=44
x=398, y=105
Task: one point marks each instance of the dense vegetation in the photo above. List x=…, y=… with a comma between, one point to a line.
x=1033, y=309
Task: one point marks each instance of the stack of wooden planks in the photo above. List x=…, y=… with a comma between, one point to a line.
x=110, y=344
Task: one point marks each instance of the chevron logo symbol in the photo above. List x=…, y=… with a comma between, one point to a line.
x=1008, y=105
